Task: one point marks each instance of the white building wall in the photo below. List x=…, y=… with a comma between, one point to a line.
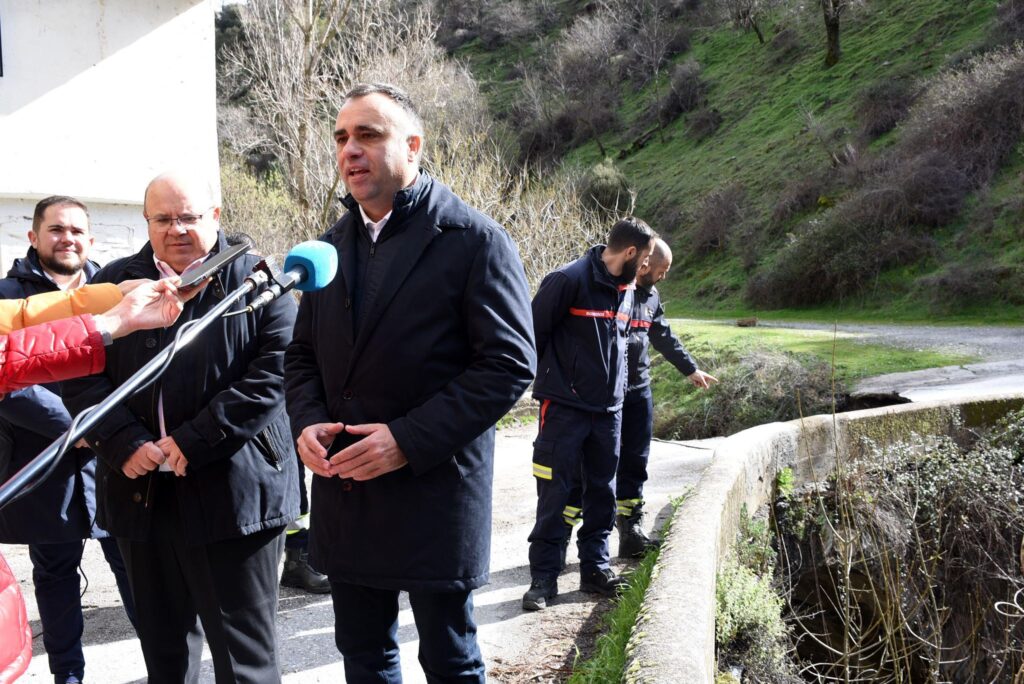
x=96, y=98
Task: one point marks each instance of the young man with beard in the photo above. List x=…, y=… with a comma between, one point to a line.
x=55, y=518
x=647, y=323
x=581, y=316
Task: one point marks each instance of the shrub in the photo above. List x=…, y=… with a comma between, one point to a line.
x=904, y=567
x=960, y=286
x=800, y=196
x=882, y=105
x=687, y=91
x=506, y=22
x=718, y=214
x=605, y=188
x=748, y=625
x=973, y=115
x=784, y=47
x=258, y=207
x=756, y=386
x=1009, y=21
x=704, y=122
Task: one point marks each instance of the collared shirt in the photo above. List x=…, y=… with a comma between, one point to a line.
x=374, y=228
x=78, y=282
x=165, y=271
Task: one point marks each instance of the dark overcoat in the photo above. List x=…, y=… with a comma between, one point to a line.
x=63, y=507
x=223, y=402
x=444, y=348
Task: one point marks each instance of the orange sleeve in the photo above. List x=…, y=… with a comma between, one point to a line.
x=51, y=306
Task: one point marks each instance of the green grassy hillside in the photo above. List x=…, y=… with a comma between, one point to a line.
x=766, y=96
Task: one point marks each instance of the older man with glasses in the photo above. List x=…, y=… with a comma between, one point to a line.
x=197, y=476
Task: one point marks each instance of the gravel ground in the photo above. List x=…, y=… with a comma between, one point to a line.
x=518, y=646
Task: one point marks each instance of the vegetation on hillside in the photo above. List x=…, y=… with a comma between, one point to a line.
x=888, y=183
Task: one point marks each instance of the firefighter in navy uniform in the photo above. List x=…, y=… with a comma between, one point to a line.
x=581, y=317
x=647, y=323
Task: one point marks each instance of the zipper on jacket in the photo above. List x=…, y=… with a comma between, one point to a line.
x=373, y=248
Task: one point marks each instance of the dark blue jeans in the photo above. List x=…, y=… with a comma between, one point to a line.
x=575, y=450
x=58, y=595
x=366, y=634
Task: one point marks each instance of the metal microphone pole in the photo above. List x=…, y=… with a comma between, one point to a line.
x=40, y=463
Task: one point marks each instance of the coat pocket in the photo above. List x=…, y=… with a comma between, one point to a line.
x=270, y=444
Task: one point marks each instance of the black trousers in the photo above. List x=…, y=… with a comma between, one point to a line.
x=230, y=586
x=575, y=450
x=366, y=634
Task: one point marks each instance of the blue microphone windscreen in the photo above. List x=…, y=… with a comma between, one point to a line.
x=320, y=261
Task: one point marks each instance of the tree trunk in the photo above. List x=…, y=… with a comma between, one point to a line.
x=832, y=34
x=757, y=30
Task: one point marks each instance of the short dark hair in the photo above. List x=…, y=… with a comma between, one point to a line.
x=630, y=232
x=54, y=201
x=399, y=96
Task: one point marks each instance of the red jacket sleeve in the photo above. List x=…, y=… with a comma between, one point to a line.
x=50, y=352
x=15, y=633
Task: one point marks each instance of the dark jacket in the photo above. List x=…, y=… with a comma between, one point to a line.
x=648, y=323
x=444, y=348
x=581, y=320
x=223, y=404
x=63, y=507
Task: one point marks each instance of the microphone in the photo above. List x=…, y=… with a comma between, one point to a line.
x=309, y=266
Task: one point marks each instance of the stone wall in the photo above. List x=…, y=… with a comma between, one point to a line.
x=674, y=639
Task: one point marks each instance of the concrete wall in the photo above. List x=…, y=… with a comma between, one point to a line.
x=674, y=639
x=96, y=98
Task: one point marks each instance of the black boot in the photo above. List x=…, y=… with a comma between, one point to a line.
x=633, y=541
x=601, y=582
x=299, y=574
x=536, y=597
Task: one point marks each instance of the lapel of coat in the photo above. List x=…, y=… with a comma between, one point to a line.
x=346, y=242
x=414, y=242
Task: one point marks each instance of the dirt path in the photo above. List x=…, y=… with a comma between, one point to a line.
x=518, y=647
x=987, y=343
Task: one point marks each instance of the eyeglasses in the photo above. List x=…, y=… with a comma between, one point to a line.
x=164, y=223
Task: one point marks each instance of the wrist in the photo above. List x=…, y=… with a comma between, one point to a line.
x=109, y=326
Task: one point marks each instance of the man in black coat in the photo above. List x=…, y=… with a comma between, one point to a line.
x=58, y=514
x=197, y=477
x=396, y=375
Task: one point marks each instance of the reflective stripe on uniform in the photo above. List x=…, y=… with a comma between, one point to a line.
x=297, y=525
x=599, y=313
x=572, y=515
x=542, y=471
x=626, y=506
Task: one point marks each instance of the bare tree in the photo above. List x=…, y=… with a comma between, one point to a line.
x=301, y=56
x=748, y=14
x=584, y=72
x=832, y=11
x=653, y=35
